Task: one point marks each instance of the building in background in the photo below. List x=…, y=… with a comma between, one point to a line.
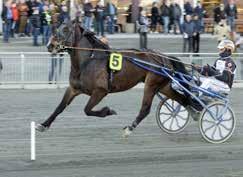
x=123, y=6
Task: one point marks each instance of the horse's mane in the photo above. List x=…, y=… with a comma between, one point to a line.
x=96, y=43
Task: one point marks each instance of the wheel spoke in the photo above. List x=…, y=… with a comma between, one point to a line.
x=177, y=123
x=220, y=132
x=172, y=121
x=217, y=110
x=224, y=127
x=209, y=128
x=214, y=132
x=209, y=121
x=181, y=117
x=168, y=114
x=212, y=115
x=225, y=120
x=167, y=119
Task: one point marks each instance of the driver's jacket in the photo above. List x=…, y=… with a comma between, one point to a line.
x=223, y=69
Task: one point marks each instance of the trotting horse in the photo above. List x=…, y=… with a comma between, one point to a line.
x=90, y=74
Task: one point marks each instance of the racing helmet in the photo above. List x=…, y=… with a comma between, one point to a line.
x=226, y=44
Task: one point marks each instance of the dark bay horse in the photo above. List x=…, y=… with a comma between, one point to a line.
x=90, y=74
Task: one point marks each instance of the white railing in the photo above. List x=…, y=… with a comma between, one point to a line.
x=34, y=68
x=41, y=68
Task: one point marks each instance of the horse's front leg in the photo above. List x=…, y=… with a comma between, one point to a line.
x=95, y=98
x=67, y=99
x=149, y=92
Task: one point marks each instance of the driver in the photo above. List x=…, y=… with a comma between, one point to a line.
x=223, y=70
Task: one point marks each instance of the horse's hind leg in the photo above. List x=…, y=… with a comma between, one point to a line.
x=67, y=99
x=95, y=98
x=149, y=92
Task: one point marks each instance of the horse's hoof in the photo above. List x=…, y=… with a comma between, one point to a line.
x=127, y=131
x=41, y=128
x=112, y=112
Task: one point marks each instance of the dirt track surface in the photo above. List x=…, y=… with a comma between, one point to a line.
x=81, y=146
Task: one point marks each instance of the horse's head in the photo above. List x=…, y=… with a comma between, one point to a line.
x=72, y=34
x=64, y=36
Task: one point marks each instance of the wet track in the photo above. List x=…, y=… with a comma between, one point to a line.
x=80, y=146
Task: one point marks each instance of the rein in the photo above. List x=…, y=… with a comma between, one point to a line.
x=63, y=47
x=124, y=51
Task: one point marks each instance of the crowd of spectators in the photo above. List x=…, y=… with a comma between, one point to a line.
x=170, y=15
x=32, y=17
x=40, y=18
x=102, y=13
x=189, y=21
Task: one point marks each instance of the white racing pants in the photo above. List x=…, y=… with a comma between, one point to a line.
x=214, y=85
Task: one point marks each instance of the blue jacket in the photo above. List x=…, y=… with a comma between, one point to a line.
x=189, y=28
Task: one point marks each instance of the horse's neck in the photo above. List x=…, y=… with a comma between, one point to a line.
x=78, y=57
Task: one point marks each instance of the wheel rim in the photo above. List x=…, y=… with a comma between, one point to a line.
x=172, y=117
x=219, y=126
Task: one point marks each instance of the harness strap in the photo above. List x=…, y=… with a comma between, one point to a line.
x=110, y=79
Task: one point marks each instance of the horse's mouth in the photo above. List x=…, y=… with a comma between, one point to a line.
x=52, y=50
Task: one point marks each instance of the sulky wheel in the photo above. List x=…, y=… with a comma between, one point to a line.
x=171, y=116
x=217, y=123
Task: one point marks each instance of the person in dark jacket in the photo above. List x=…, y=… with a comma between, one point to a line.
x=99, y=16
x=7, y=18
x=46, y=24
x=231, y=13
x=219, y=13
x=196, y=35
x=143, y=29
x=129, y=14
x=223, y=69
x=110, y=12
x=154, y=16
x=200, y=12
x=165, y=16
x=64, y=15
x=88, y=12
x=36, y=25
x=188, y=30
x=188, y=8
x=175, y=16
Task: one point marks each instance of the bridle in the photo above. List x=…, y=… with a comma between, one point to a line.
x=61, y=44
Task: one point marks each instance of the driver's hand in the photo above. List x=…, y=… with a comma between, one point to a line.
x=196, y=67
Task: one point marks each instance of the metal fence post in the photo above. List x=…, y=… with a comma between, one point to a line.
x=22, y=68
x=190, y=57
x=58, y=65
